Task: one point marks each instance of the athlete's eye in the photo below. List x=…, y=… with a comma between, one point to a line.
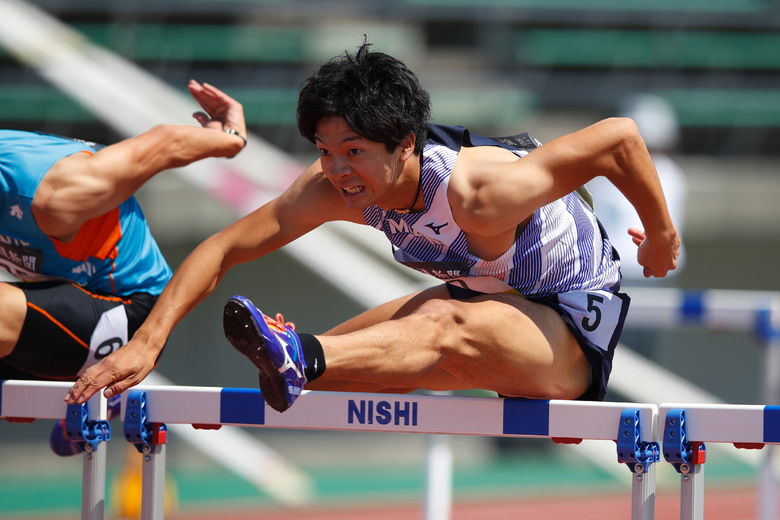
x=324, y=153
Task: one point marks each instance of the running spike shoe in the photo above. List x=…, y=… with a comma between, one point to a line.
x=272, y=346
x=62, y=445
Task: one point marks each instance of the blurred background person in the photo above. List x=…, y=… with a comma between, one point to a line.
x=657, y=122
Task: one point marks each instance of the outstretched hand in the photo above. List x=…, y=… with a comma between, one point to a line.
x=658, y=255
x=220, y=111
x=116, y=373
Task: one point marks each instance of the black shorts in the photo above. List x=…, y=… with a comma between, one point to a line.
x=67, y=329
x=595, y=318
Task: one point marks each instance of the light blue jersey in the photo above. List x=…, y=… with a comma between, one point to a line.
x=111, y=254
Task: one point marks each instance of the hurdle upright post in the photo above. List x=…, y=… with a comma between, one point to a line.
x=150, y=440
x=438, y=474
x=688, y=459
x=438, y=477
x=769, y=332
x=643, y=494
x=640, y=455
x=88, y=426
x=93, y=487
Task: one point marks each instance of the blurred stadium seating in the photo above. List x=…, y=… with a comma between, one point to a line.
x=717, y=62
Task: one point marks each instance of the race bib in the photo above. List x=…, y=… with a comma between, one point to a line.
x=599, y=315
x=109, y=334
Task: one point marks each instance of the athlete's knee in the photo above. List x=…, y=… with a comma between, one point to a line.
x=437, y=324
x=14, y=310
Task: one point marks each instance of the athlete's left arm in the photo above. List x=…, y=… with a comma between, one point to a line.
x=612, y=148
x=83, y=186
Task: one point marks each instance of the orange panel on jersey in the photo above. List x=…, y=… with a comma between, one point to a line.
x=97, y=238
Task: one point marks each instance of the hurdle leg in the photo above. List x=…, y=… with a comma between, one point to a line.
x=640, y=456
x=153, y=482
x=643, y=494
x=692, y=492
x=150, y=440
x=438, y=491
x=767, y=485
x=688, y=458
x=93, y=488
x=438, y=474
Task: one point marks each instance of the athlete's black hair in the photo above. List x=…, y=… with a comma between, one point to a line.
x=376, y=94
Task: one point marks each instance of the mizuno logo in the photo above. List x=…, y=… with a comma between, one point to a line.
x=436, y=229
x=395, y=227
x=288, y=364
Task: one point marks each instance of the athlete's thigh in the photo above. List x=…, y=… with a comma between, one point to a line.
x=500, y=342
x=67, y=329
x=516, y=347
x=394, y=309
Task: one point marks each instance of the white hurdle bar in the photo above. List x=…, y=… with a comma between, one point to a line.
x=631, y=425
x=24, y=401
x=147, y=409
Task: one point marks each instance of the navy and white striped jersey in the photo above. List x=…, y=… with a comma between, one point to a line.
x=562, y=249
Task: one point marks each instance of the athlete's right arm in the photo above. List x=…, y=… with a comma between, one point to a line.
x=83, y=186
x=308, y=203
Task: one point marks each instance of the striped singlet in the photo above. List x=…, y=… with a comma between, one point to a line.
x=562, y=249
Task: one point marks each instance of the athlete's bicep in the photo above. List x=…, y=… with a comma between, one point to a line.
x=561, y=166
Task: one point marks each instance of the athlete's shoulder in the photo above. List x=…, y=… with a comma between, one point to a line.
x=46, y=138
x=450, y=136
x=456, y=137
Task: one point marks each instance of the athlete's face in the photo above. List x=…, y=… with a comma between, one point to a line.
x=363, y=171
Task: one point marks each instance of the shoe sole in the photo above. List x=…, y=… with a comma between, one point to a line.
x=243, y=332
x=59, y=442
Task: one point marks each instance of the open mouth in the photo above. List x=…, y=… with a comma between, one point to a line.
x=353, y=190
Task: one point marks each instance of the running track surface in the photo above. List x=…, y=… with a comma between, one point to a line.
x=720, y=504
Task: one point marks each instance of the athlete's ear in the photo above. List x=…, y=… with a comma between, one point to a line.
x=407, y=146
